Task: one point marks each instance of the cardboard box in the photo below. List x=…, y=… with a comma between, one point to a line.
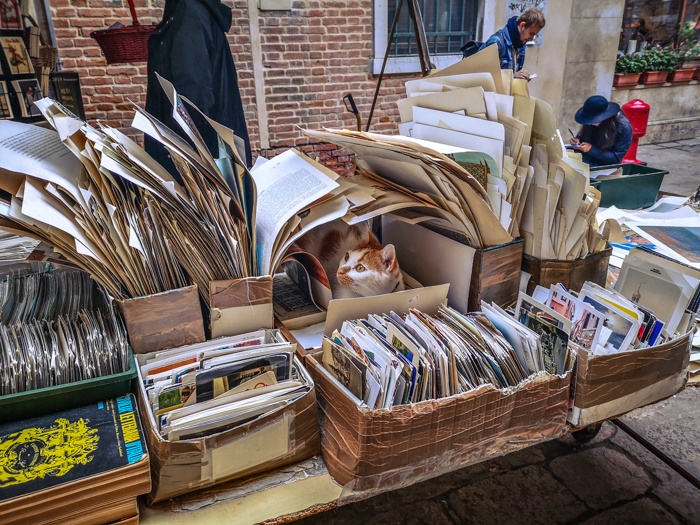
x=572, y=274
x=365, y=449
x=610, y=385
x=240, y=305
x=435, y=256
x=279, y=438
x=368, y=449
x=163, y=320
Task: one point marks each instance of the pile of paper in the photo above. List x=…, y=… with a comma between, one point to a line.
x=88, y=465
x=199, y=390
x=535, y=188
x=412, y=179
x=387, y=360
x=104, y=204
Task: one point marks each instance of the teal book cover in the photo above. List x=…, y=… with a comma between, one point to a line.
x=47, y=451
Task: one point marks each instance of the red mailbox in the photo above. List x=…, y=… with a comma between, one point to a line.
x=637, y=111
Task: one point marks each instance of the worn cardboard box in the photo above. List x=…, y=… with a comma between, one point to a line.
x=163, y=320
x=436, y=256
x=606, y=386
x=572, y=274
x=276, y=439
x=367, y=450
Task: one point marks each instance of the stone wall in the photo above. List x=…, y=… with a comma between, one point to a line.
x=674, y=110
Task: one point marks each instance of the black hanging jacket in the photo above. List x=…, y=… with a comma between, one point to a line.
x=189, y=48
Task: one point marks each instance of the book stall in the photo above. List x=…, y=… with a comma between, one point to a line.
x=175, y=341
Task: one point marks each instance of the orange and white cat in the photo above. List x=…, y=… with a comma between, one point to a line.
x=356, y=263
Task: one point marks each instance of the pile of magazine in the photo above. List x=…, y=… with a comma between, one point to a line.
x=387, y=360
x=202, y=389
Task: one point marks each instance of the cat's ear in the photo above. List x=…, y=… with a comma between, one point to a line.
x=389, y=256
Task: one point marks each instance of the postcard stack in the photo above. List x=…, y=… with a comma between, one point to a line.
x=82, y=466
x=631, y=351
x=415, y=393
x=238, y=405
x=537, y=189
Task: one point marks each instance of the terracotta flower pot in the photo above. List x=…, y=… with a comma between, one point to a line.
x=682, y=75
x=653, y=77
x=696, y=76
x=626, y=79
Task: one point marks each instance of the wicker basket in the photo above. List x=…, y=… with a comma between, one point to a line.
x=125, y=44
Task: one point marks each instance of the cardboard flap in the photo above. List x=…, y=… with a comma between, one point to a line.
x=425, y=299
x=164, y=320
x=240, y=305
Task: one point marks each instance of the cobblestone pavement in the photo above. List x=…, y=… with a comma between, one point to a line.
x=610, y=480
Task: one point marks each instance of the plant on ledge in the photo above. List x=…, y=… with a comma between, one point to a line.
x=628, y=69
x=660, y=61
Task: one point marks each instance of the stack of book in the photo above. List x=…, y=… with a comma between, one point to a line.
x=84, y=465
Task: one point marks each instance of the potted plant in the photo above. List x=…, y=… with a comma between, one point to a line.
x=688, y=53
x=659, y=63
x=628, y=69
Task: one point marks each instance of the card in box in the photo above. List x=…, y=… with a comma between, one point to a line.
x=276, y=439
x=610, y=385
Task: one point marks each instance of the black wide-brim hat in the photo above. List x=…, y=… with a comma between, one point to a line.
x=596, y=109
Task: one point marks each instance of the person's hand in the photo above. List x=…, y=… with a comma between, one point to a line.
x=522, y=74
x=574, y=141
x=585, y=147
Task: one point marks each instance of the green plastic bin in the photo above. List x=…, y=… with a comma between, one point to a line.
x=42, y=401
x=637, y=188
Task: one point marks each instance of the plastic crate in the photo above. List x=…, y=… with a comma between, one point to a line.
x=637, y=188
x=41, y=401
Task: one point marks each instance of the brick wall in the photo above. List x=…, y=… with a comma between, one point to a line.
x=312, y=56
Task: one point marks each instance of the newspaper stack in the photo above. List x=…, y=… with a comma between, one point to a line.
x=535, y=187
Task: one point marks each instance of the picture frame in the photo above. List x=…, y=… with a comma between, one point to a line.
x=10, y=15
x=28, y=91
x=5, y=105
x=65, y=89
x=16, y=56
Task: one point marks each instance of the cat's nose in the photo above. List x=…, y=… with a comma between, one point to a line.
x=343, y=271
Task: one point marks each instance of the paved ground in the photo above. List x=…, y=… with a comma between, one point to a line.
x=610, y=480
x=680, y=158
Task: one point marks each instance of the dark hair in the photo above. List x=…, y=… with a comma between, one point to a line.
x=532, y=17
x=603, y=135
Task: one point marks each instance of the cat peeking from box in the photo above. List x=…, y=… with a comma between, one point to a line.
x=355, y=262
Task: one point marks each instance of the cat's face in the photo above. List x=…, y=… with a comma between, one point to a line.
x=369, y=271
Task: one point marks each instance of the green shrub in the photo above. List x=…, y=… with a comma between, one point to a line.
x=630, y=64
x=660, y=59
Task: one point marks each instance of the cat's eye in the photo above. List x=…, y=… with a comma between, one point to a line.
x=359, y=268
x=347, y=256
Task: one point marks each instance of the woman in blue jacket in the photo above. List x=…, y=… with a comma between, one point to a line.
x=605, y=135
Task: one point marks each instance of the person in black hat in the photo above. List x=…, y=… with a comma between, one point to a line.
x=605, y=134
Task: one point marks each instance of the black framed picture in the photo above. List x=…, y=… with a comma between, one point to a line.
x=5, y=106
x=65, y=87
x=28, y=91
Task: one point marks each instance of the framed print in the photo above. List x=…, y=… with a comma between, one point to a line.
x=66, y=90
x=5, y=107
x=10, y=15
x=28, y=91
x=16, y=55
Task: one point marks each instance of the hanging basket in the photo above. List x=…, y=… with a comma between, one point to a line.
x=125, y=44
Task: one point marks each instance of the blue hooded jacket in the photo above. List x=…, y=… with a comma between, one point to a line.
x=511, y=51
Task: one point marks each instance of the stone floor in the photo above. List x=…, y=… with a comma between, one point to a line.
x=680, y=158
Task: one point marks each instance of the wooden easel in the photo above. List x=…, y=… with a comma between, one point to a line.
x=422, y=43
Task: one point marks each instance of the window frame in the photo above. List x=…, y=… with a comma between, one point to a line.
x=406, y=64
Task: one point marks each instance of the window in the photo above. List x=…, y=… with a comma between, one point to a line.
x=448, y=24
x=655, y=22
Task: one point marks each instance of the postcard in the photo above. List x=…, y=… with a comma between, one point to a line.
x=619, y=330
x=16, y=55
x=5, y=106
x=586, y=322
x=10, y=15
